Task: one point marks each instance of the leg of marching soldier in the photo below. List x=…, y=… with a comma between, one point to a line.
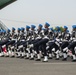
x=27, y=48
x=21, y=48
x=51, y=46
x=3, y=46
x=31, y=54
x=57, y=51
x=45, y=53
x=1, y=52
x=12, y=51
x=18, y=50
x=37, y=53
x=41, y=42
x=10, y=48
x=36, y=50
x=73, y=49
x=65, y=50
x=32, y=51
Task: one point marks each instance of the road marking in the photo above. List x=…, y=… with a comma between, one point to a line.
x=72, y=63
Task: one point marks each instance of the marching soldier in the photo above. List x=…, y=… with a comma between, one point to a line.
x=43, y=42
x=65, y=42
x=28, y=33
x=3, y=43
x=18, y=42
x=11, y=43
x=72, y=46
x=22, y=41
x=54, y=45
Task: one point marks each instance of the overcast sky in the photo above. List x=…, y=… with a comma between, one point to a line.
x=55, y=12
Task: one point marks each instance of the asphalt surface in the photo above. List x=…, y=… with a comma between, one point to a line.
x=16, y=66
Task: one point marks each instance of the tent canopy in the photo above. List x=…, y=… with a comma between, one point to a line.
x=4, y=3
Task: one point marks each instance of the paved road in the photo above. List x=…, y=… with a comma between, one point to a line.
x=16, y=66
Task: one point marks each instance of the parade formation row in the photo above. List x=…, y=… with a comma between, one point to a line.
x=31, y=43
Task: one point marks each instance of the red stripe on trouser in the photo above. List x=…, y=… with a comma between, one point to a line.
x=4, y=50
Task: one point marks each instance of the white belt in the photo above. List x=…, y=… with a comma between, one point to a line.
x=22, y=40
x=13, y=39
x=74, y=40
x=65, y=40
x=51, y=41
x=38, y=38
x=45, y=37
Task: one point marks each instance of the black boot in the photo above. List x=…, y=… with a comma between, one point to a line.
x=73, y=60
x=64, y=59
x=57, y=59
x=38, y=60
x=31, y=58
